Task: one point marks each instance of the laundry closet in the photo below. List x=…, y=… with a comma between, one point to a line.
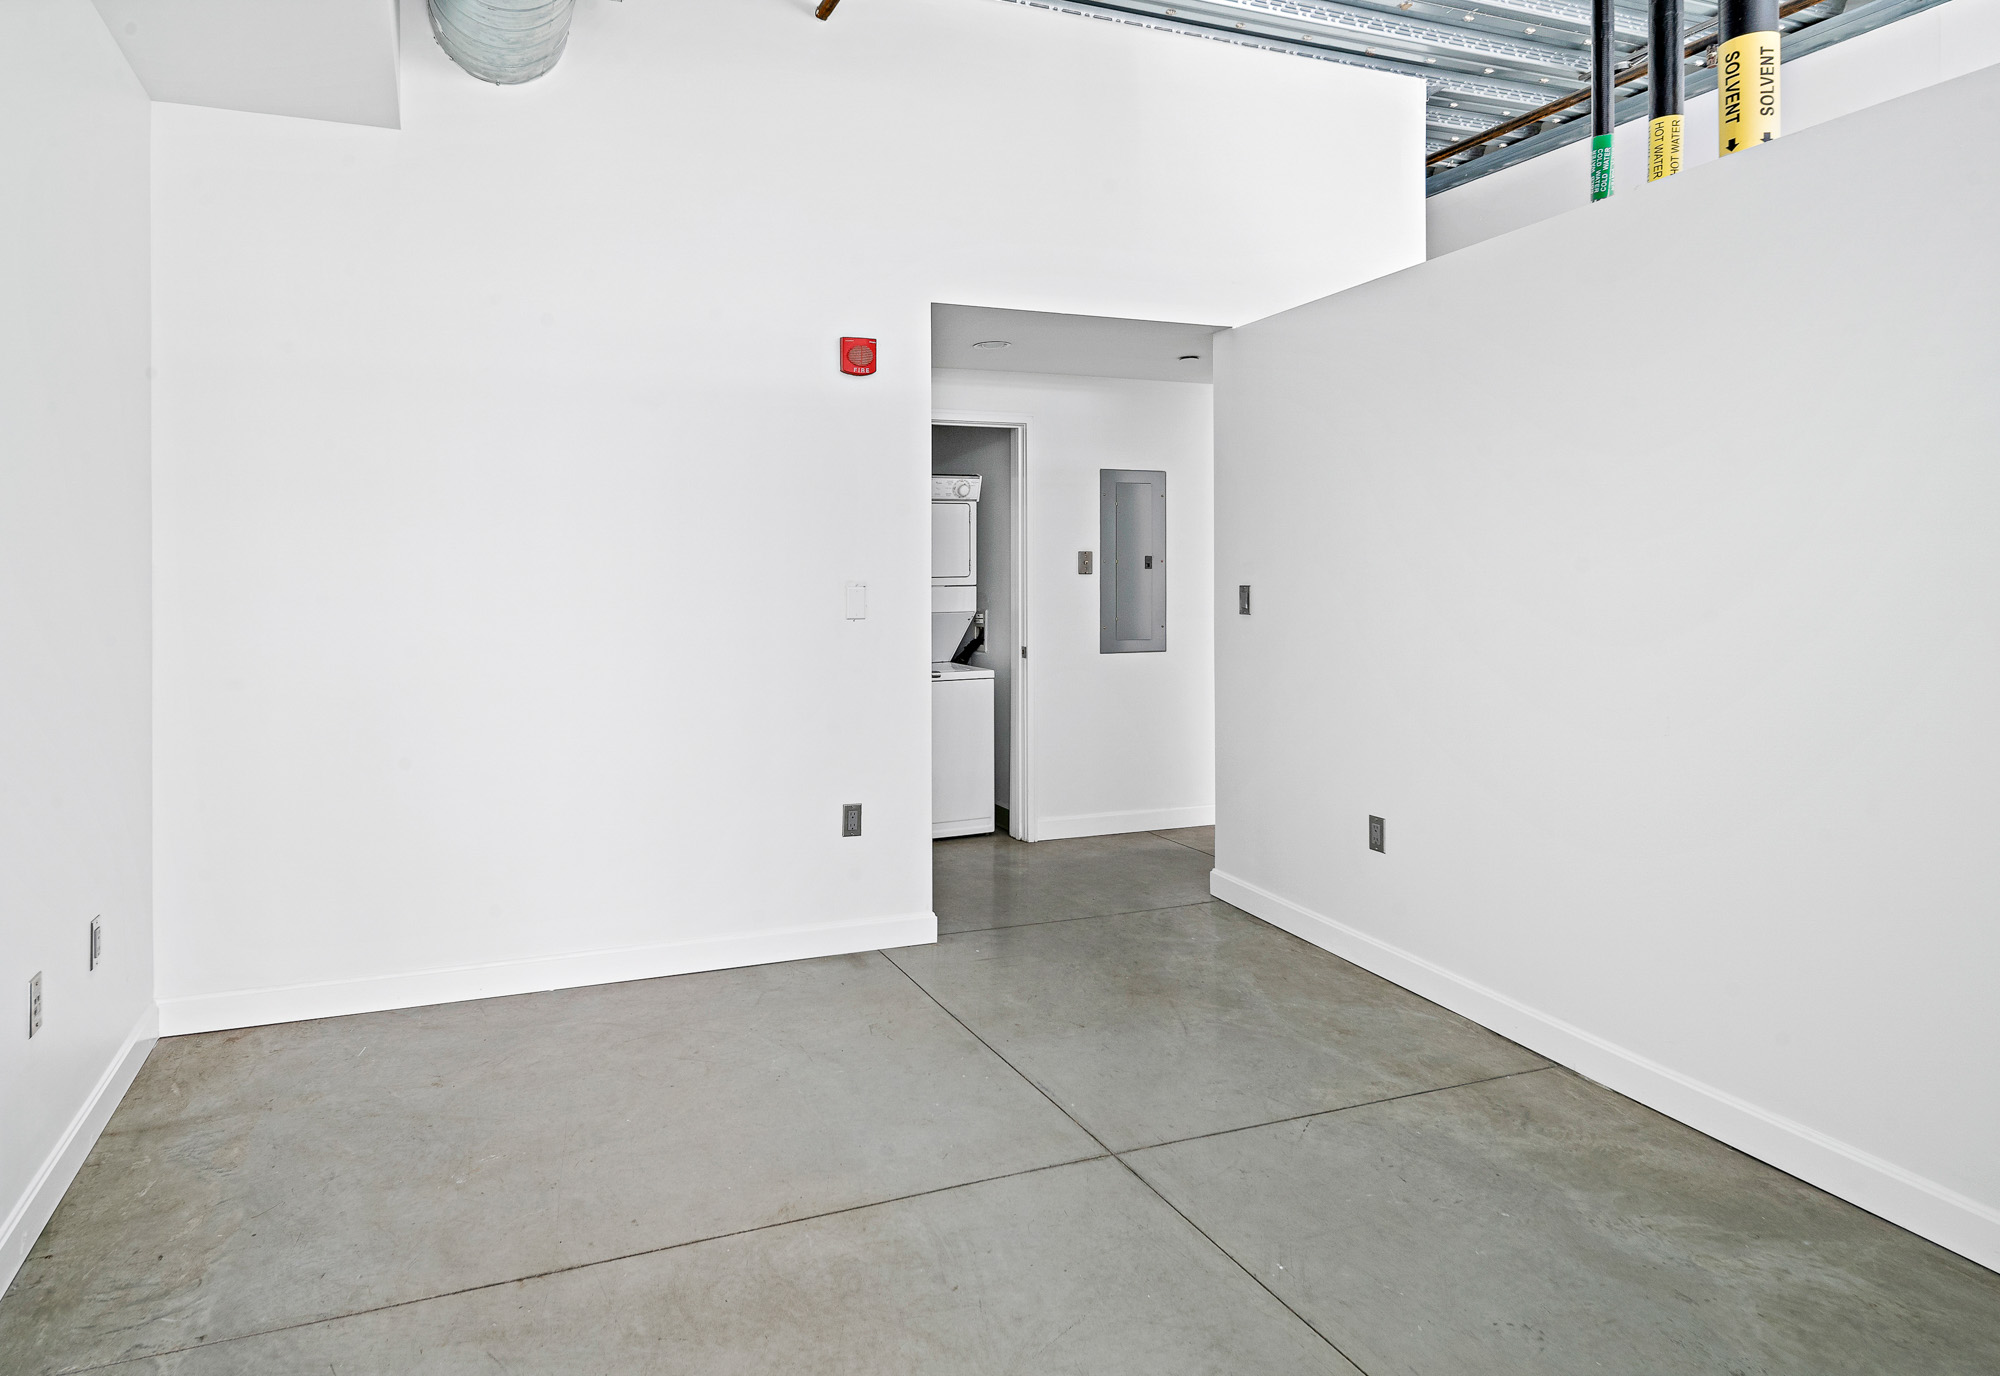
x=972, y=628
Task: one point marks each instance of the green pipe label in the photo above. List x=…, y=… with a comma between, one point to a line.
x=1663, y=147
x=1600, y=166
x=1747, y=92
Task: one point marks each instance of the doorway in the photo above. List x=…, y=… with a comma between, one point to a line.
x=992, y=449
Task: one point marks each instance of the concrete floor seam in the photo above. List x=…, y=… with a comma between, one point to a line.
x=1177, y=841
x=1254, y=1277
x=1343, y=1108
x=1150, y=1188
x=1079, y=917
x=1103, y=1155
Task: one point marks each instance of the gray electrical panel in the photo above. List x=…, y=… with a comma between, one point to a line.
x=1132, y=591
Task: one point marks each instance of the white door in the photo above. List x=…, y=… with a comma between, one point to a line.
x=954, y=530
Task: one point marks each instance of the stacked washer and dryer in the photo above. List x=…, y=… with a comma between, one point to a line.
x=961, y=693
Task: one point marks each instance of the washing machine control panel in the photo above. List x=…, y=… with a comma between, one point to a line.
x=955, y=488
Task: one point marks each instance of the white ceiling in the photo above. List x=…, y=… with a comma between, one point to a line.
x=317, y=59
x=1084, y=345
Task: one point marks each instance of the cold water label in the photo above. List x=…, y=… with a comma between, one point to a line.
x=1600, y=166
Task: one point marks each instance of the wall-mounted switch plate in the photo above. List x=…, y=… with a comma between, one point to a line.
x=857, y=601
x=850, y=819
x=1083, y=561
x=35, y=1004
x=96, y=941
x=1243, y=599
x=1376, y=840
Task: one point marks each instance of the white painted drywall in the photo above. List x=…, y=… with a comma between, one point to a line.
x=1119, y=742
x=1681, y=712
x=312, y=59
x=507, y=487
x=75, y=623
x=1936, y=45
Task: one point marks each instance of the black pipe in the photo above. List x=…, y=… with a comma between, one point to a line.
x=1746, y=74
x=1602, y=25
x=1666, y=78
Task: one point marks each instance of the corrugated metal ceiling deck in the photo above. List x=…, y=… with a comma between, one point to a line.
x=1482, y=64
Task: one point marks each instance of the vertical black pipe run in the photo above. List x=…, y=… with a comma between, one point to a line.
x=1747, y=74
x=1602, y=22
x=1666, y=76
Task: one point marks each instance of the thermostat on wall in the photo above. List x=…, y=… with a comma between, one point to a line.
x=857, y=357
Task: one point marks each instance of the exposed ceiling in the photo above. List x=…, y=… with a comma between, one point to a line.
x=317, y=59
x=1079, y=345
x=1482, y=63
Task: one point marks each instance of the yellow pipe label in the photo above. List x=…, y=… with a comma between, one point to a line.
x=1663, y=147
x=1747, y=91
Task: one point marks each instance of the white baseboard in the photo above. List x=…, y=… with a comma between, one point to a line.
x=31, y=1212
x=1117, y=823
x=337, y=998
x=1931, y=1210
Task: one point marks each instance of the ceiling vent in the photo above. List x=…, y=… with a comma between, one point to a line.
x=505, y=42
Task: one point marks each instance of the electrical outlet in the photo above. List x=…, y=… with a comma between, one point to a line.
x=850, y=819
x=1375, y=835
x=1243, y=599
x=96, y=941
x=35, y=1004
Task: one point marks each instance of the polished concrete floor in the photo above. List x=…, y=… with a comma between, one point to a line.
x=1104, y=1126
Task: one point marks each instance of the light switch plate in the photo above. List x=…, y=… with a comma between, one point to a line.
x=96, y=941
x=1083, y=561
x=857, y=601
x=1243, y=599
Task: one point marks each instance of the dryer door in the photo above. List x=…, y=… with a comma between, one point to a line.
x=954, y=542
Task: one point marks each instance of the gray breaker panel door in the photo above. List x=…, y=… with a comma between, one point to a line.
x=1132, y=568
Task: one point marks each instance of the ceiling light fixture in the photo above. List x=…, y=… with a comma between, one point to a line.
x=993, y=344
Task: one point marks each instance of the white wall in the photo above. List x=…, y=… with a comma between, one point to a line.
x=506, y=486
x=74, y=615
x=1682, y=719
x=1118, y=742
x=1935, y=45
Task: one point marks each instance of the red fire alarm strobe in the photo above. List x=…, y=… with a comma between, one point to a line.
x=857, y=357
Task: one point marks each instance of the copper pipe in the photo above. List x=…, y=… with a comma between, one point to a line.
x=825, y=8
